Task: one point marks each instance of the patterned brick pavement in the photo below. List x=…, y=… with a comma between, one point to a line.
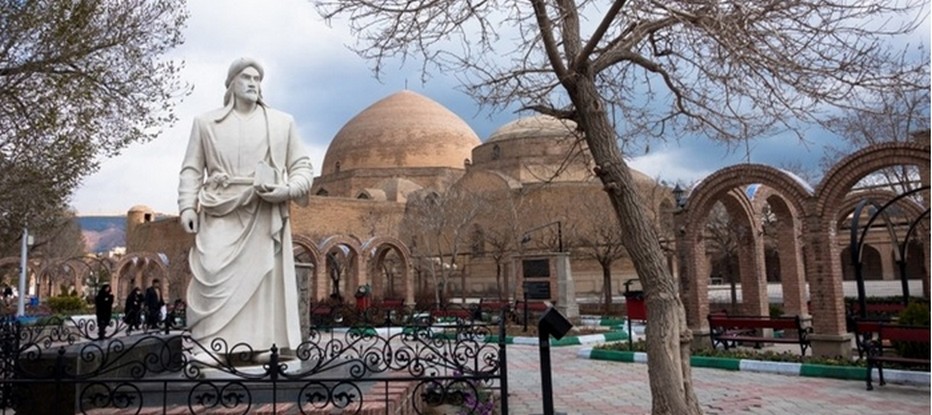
x=593, y=387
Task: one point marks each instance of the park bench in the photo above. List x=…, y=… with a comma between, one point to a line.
x=891, y=308
x=494, y=307
x=459, y=315
x=887, y=334
x=865, y=331
x=731, y=330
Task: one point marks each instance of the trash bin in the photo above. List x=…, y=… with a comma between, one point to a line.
x=363, y=295
x=634, y=301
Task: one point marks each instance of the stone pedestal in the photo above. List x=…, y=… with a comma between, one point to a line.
x=566, y=288
x=831, y=345
x=548, y=277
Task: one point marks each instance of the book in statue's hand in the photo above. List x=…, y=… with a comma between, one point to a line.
x=266, y=176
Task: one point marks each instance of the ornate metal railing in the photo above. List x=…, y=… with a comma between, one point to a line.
x=373, y=361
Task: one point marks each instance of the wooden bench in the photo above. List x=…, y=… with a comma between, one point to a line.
x=458, y=314
x=874, y=309
x=865, y=331
x=894, y=333
x=730, y=330
x=494, y=307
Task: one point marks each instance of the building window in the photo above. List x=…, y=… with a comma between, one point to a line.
x=336, y=167
x=323, y=192
x=496, y=152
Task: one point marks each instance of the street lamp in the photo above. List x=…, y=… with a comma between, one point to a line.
x=527, y=235
x=679, y=196
x=23, y=263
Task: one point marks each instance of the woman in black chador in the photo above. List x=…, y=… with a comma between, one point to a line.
x=133, y=309
x=103, y=304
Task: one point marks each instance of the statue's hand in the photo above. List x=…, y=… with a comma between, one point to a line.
x=189, y=220
x=273, y=193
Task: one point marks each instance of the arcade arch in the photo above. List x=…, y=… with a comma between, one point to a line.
x=342, y=261
x=389, y=268
x=821, y=236
x=138, y=269
x=730, y=186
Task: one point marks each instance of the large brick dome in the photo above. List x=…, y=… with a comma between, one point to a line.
x=405, y=129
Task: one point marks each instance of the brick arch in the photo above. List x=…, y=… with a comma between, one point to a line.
x=838, y=182
x=820, y=227
x=702, y=196
x=356, y=276
x=789, y=251
x=378, y=247
x=121, y=286
x=750, y=252
x=695, y=267
x=315, y=289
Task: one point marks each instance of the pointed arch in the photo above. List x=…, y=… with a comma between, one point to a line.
x=378, y=248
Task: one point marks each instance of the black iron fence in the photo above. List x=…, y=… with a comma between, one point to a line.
x=374, y=361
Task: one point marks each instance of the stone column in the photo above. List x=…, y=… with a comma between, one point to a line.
x=566, y=287
x=830, y=336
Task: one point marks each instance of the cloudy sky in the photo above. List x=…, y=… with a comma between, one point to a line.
x=312, y=75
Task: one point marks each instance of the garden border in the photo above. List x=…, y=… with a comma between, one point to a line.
x=903, y=377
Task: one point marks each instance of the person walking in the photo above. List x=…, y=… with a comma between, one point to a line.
x=133, y=309
x=103, y=306
x=154, y=304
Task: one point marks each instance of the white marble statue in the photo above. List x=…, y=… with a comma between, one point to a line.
x=244, y=163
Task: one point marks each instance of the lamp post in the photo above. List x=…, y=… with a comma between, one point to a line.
x=23, y=261
x=679, y=196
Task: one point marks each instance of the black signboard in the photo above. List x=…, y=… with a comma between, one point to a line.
x=536, y=268
x=537, y=290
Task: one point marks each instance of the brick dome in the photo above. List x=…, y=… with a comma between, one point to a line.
x=405, y=129
x=535, y=126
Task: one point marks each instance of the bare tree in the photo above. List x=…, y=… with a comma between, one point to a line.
x=729, y=70
x=893, y=115
x=596, y=235
x=441, y=225
x=80, y=81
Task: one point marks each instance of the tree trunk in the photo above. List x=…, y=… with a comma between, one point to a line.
x=498, y=278
x=668, y=337
x=607, y=287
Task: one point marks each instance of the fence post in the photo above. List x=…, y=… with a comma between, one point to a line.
x=503, y=361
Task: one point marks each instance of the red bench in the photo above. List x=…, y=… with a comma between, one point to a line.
x=728, y=330
x=494, y=307
x=458, y=314
x=894, y=333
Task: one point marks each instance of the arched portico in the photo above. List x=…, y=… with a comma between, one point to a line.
x=138, y=269
x=729, y=186
x=342, y=260
x=379, y=249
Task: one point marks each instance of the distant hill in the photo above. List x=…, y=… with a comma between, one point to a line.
x=103, y=233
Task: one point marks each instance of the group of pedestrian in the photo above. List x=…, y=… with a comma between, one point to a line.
x=149, y=309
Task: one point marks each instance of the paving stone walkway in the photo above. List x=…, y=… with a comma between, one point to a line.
x=594, y=387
